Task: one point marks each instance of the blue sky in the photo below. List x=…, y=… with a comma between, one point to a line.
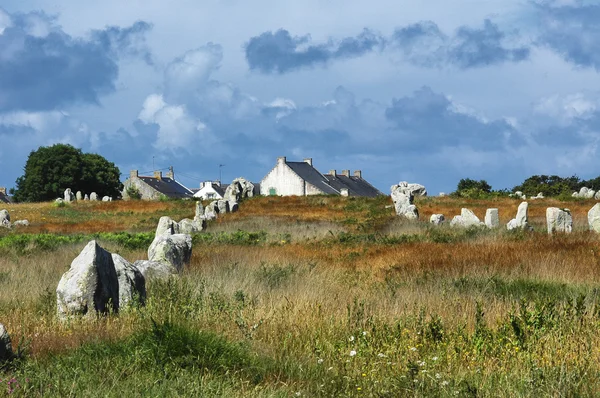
x=423, y=92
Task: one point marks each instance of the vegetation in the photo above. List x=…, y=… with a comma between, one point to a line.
x=51, y=170
x=317, y=296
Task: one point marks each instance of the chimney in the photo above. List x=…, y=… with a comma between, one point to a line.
x=344, y=191
x=281, y=160
x=158, y=175
x=3, y=191
x=358, y=174
x=133, y=174
x=308, y=160
x=346, y=173
x=171, y=174
x=332, y=173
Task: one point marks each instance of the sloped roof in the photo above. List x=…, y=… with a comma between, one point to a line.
x=168, y=187
x=356, y=186
x=312, y=176
x=5, y=198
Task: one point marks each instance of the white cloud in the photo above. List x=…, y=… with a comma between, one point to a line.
x=568, y=107
x=5, y=21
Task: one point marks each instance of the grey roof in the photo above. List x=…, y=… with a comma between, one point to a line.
x=168, y=187
x=356, y=185
x=5, y=198
x=220, y=189
x=312, y=176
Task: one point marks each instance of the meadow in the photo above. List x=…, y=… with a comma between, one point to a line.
x=312, y=296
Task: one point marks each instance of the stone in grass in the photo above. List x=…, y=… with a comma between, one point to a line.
x=6, y=352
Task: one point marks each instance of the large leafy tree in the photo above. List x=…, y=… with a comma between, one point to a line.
x=50, y=170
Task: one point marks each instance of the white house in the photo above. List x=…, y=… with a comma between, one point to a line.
x=210, y=190
x=302, y=179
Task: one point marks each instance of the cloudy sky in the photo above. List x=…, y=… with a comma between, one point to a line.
x=421, y=91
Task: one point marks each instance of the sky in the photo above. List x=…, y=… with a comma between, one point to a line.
x=420, y=91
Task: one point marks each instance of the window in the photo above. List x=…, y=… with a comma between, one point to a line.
x=210, y=195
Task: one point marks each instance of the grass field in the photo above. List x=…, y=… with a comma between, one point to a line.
x=317, y=296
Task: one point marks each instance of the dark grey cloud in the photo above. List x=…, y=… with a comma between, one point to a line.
x=43, y=68
x=429, y=121
x=279, y=52
x=422, y=44
x=573, y=31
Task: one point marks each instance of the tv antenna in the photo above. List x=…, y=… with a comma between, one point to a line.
x=220, y=166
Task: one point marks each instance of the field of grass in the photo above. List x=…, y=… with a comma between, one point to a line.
x=318, y=296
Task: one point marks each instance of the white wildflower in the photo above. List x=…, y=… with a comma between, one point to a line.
x=351, y=338
x=320, y=361
x=413, y=349
x=352, y=353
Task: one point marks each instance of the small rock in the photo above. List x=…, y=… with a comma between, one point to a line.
x=436, y=219
x=21, y=223
x=6, y=352
x=93, y=196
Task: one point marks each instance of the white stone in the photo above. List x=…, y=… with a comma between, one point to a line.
x=187, y=226
x=79, y=196
x=132, y=285
x=6, y=351
x=406, y=188
x=222, y=206
x=69, y=197
x=166, y=225
x=86, y=197
x=89, y=285
x=238, y=190
x=491, y=219
x=559, y=220
x=521, y=220
x=106, y=199
x=174, y=250
x=436, y=219
x=152, y=269
x=93, y=196
x=597, y=195
x=594, y=218
x=4, y=218
x=21, y=223
x=233, y=206
x=404, y=206
x=199, y=214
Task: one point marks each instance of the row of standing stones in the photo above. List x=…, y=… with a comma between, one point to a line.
x=557, y=220
x=99, y=282
x=5, y=220
x=69, y=197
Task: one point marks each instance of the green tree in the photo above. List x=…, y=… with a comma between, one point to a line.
x=468, y=188
x=50, y=170
x=549, y=185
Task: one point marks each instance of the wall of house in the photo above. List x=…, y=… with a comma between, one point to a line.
x=284, y=180
x=147, y=192
x=312, y=190
x=205, y=191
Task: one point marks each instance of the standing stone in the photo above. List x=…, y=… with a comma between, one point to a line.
x=223, y=206
x=597, y=195
x=6, y=351
x=466, y=219
x=233, y=206
x=404, y=206
x=172, y=250
x=4, y=218
x=93, y=196
x=238, y=190
x=199, y=214
x=559, y=220
x=96, y=282
x=211, y=210
x=69, y=197
x=521, y=221
x=86, y=197
x=78, y=196
x=106, y=198
x=436, y=219
x=166, y=225
x=187, y=226
x=594, y=218
x=491, y=218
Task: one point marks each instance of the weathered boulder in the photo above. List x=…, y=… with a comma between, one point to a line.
x=406, y=188
x=187, y=226
x=79, y=196
x=69, y=196
x=517, y=194
x=93, y=196
x=59, y=201
x=521, y=220
x=466, y=219
x=233, y=206
x=491, y=218
x=436, y=219
x=559, y=220
x=166, y=225
x=4, y=218
x=404, y=206
x=86, y=197
x=174, y=250
x=584, y=193
x=153, y=269
x=238, y=190
x=199, y=214
x=96, y=282
x=107, y=199
x=594, y=218
x=211, y=210
x=597, y=195
x=6, y=352
x=222, y=206
x=21, y=223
